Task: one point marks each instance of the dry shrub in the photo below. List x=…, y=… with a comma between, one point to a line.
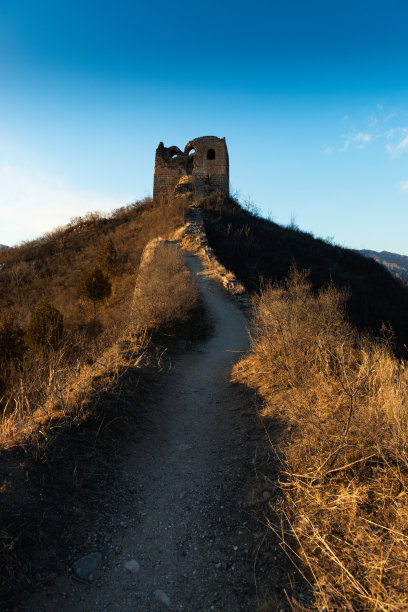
x=344, y=400
x=165, y=291
x=58, y=386
x=94, y=287
x=45, y=328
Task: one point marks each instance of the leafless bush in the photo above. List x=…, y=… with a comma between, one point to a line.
x=57, y=385
x=344, y=399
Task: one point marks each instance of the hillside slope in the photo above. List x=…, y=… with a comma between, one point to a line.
x=396, y=264
x=55, y=263
x=258, y=251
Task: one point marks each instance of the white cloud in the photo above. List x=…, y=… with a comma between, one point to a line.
x=404, y=185
x=394, y=132
x=390, y=116
x=362, y=137
x=385, y=127
x=403, y=145
x=345, y=146
x=32, y=202
x=328, y=151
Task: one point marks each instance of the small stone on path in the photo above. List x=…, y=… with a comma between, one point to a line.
x=132, y=566
x=162, y=597
x=84, y=568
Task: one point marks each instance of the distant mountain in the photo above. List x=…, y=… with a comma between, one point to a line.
x=3, y=246
x=396, y=264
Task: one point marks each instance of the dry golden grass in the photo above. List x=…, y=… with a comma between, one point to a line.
x=165, y=291
x=56, y=388
x=258, y=250
x=55, y=263
x=344, y=401
x=41, y=388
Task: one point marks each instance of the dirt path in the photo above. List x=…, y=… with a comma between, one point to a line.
x=182, y=522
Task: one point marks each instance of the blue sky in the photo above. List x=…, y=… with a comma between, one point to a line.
x=312, y=98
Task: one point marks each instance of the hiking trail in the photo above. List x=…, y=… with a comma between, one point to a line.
x=180, y=541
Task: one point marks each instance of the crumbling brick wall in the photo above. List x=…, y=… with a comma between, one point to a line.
x=201, y=168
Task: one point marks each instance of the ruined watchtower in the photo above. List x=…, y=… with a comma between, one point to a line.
x=201, y=168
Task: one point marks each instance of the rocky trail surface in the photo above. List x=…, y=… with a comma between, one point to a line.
x=179, y=536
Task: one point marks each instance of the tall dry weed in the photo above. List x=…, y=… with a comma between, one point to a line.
x=344, y=474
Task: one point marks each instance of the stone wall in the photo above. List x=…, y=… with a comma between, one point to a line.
x=192, y=238
x=201, y=168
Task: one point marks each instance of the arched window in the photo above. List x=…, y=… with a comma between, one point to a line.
x=210, y=154
x=173, y=152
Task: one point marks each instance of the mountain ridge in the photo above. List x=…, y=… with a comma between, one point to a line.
x=395, y=263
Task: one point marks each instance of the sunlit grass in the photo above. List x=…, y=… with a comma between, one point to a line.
x=343, y=399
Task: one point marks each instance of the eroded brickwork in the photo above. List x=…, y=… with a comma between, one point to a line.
x=201, y=168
